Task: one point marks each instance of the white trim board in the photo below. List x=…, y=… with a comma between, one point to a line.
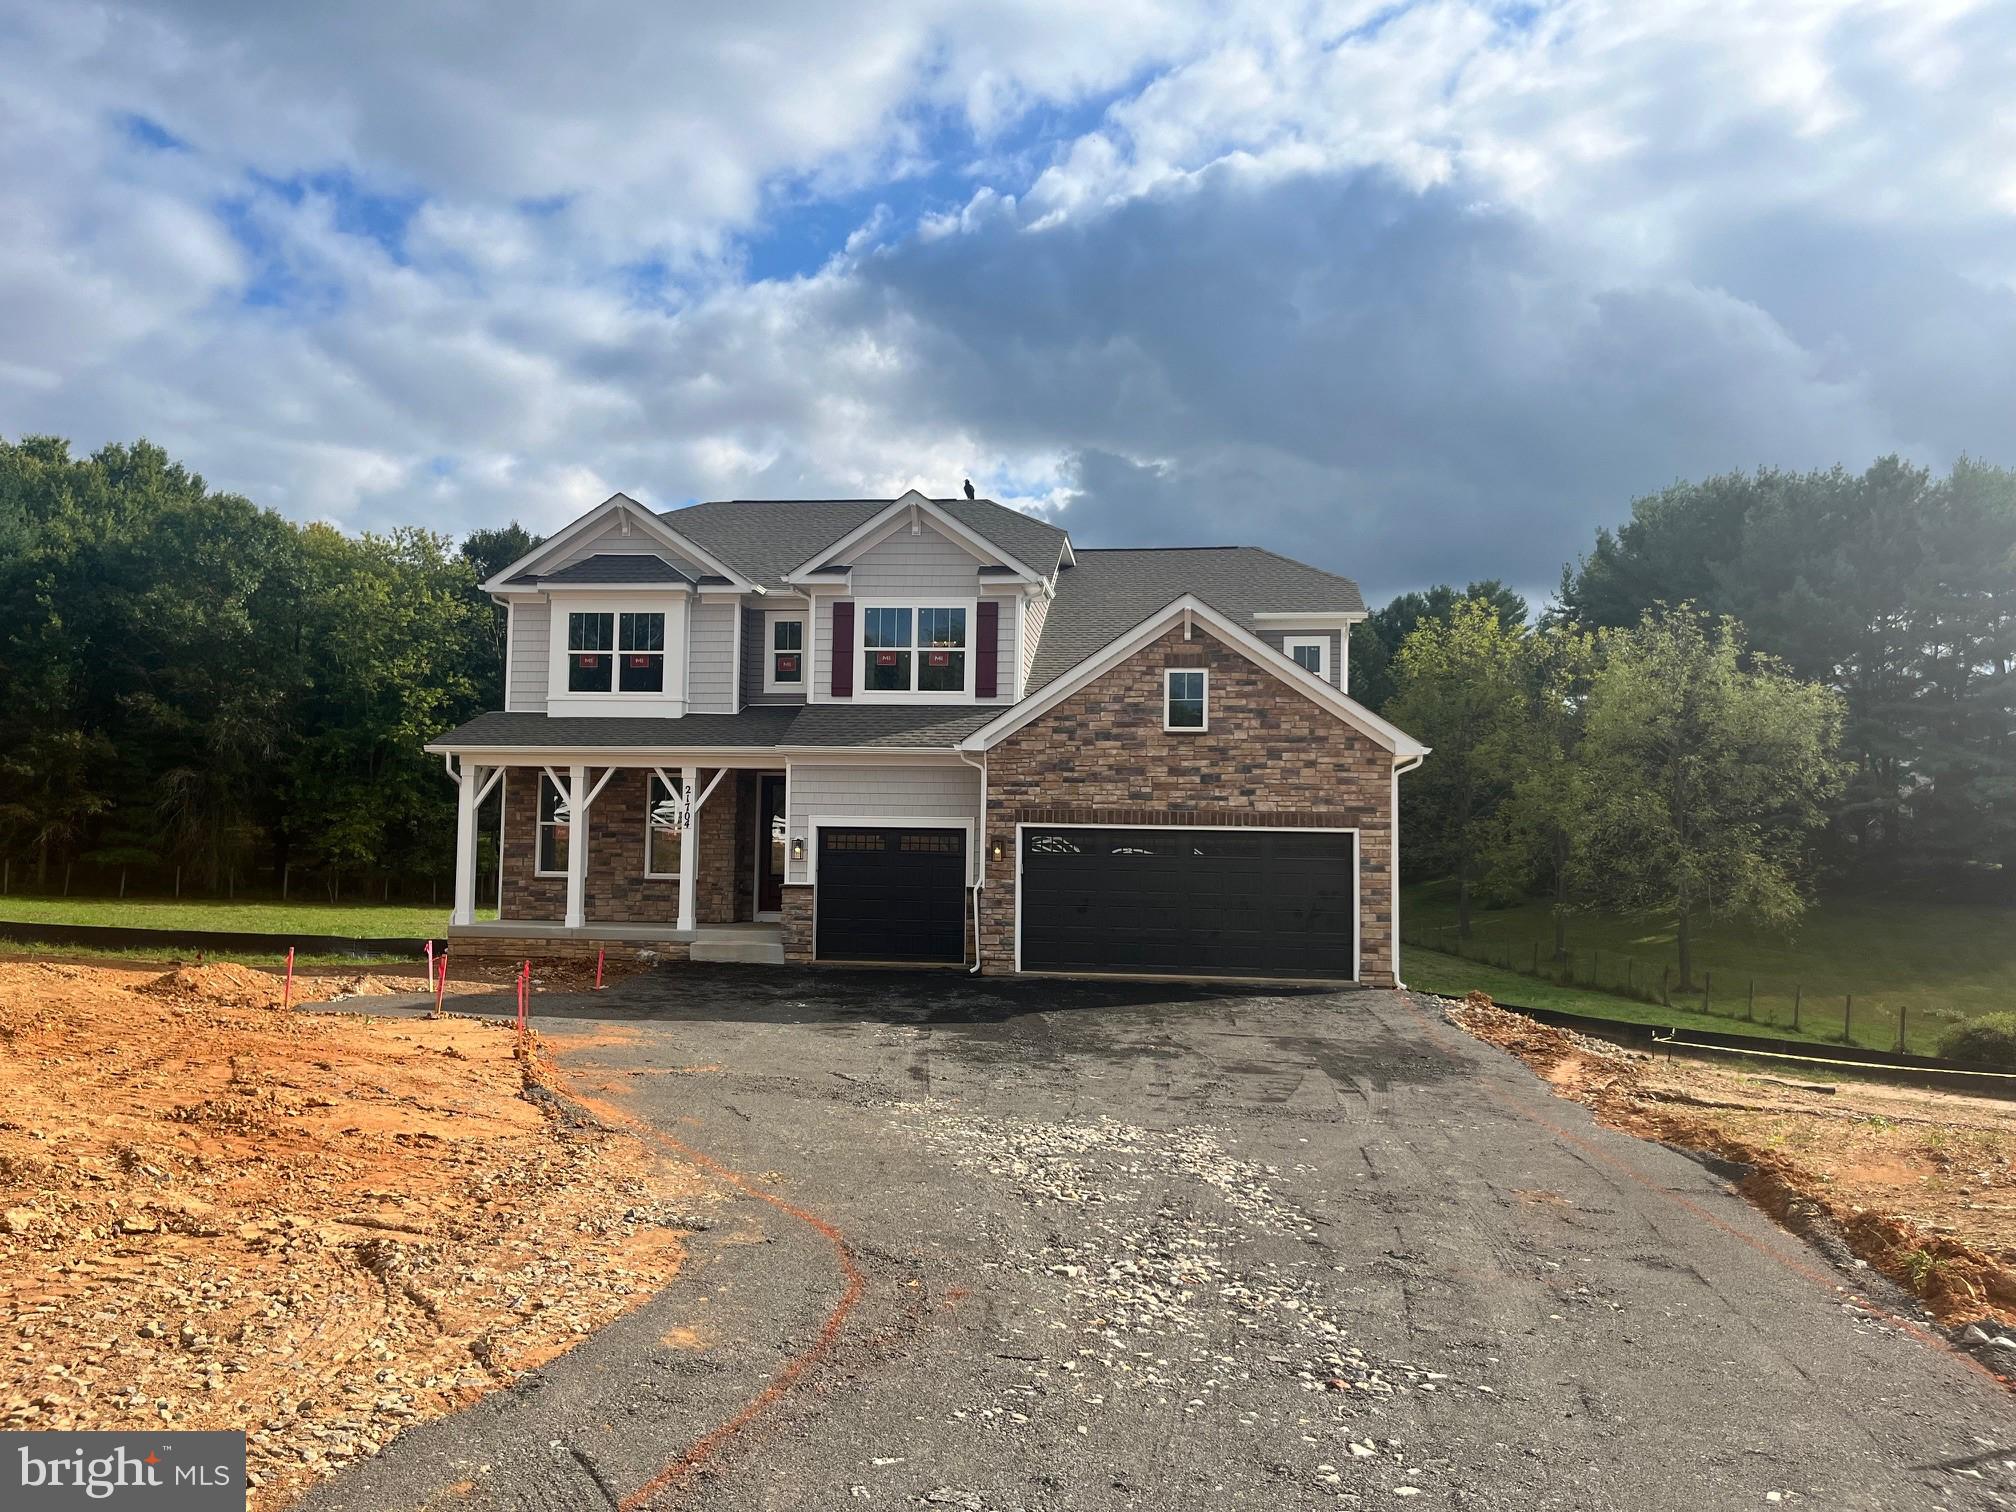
x=1192, y=609
x=1357, y=875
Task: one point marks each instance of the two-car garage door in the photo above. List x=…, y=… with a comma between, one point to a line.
x=1197, y=901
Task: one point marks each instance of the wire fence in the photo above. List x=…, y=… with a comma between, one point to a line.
x=1876, y=1022
x=22, y=878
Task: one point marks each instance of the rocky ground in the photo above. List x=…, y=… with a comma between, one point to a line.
x=218, y=1214
x=1918, y=1183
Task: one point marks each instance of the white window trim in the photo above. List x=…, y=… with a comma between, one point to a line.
x=671, y=700
x=650, y=790
x=1357, y=872
x=771, y=619
x=1169, y=675
x=540, y=826
x=863, y=694
x=1293, y=643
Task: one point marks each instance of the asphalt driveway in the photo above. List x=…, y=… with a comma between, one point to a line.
x=1050, y=1246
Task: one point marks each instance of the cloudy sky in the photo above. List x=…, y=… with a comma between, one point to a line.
x=1414, y=291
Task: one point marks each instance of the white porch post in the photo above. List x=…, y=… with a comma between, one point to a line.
x=689, y=847
x=464, y=911
x=577, y=845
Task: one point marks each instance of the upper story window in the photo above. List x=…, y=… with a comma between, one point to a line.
x=621, y=652
x=1311, y=652
x=1186, y=699
x=784, y=657
x=915, y=649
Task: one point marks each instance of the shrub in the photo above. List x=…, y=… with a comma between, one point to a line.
x=1989, y=1040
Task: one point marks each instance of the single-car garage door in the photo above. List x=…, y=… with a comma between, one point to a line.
x=891, y=895
x=1190, y=902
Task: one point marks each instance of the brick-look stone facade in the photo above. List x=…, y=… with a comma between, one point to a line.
x=797, y=918
x=616, y=889
x=1270, y=756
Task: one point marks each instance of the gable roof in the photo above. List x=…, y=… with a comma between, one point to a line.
x=1108, y=592
x=768, y=538
x=617, y=505
x=1186, y=607
x=618, y=567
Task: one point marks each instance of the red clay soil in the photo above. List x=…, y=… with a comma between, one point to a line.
x=215, y=1213
x=1877, y=1163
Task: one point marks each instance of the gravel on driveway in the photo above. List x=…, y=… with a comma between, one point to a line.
x=1066, y=1247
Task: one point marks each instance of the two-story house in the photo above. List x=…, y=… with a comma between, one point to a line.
x=928, y=731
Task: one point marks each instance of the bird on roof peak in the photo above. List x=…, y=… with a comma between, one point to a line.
x=969, y=488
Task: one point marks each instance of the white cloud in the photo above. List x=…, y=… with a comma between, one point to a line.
x=1415, y=292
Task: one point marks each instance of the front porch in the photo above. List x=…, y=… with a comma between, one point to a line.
x=679, y=859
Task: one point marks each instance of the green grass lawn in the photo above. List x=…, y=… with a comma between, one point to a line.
x=369, y=921
x=1451, y=976
x=1941, y=961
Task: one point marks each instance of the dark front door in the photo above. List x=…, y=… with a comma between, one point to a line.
x=770, y=843
x=1190, y=902
x=891, y=895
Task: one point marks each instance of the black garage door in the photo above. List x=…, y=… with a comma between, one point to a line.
x=891, y=895
x=1190, y=902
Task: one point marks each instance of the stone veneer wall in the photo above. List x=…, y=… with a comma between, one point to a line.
x=1270, y=756
x=617, y=891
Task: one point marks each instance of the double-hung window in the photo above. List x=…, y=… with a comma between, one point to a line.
x=915, y=649
x=1186, y=699
x=607, y=651
x=1310, y=652
x=555, y=825
x=784, y=667
x=662, y=834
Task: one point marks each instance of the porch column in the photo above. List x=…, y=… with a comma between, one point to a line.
x=577, y=845
x=466, y=792
x=689, y=848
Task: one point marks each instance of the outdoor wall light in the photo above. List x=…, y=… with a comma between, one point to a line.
x=997, y=852
x=797, y=847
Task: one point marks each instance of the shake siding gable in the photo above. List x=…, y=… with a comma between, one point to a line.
x=610, y=541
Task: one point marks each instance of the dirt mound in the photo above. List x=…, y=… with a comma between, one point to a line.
x=225, y=983
x=320, y=1227
x=356, y=986
x=1707, y=1109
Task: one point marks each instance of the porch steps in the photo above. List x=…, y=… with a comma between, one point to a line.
x=751, y=944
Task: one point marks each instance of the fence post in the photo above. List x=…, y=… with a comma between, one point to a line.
x=1902, y=1010
x=1848, y=1019
x=1707, y=986
x=1798, y=991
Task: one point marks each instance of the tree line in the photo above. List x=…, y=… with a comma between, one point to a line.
x=199, y=688
x=197, y=684
x=1757, y=682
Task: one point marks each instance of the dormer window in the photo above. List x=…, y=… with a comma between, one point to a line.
x=621, y=652
x=916, y=649
x=1310, y=652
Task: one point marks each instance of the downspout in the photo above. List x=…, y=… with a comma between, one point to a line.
x=1400, y=769
x=980, y=842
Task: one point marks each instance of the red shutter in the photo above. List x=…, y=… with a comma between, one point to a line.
x=843, y=649
x=987, y=646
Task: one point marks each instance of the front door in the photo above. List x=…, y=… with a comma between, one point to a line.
x=770, y=843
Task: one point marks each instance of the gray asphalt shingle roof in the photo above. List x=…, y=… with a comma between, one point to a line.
x=766, y=538
x=888, y=727
x=1109, y=592
x=616, y=567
